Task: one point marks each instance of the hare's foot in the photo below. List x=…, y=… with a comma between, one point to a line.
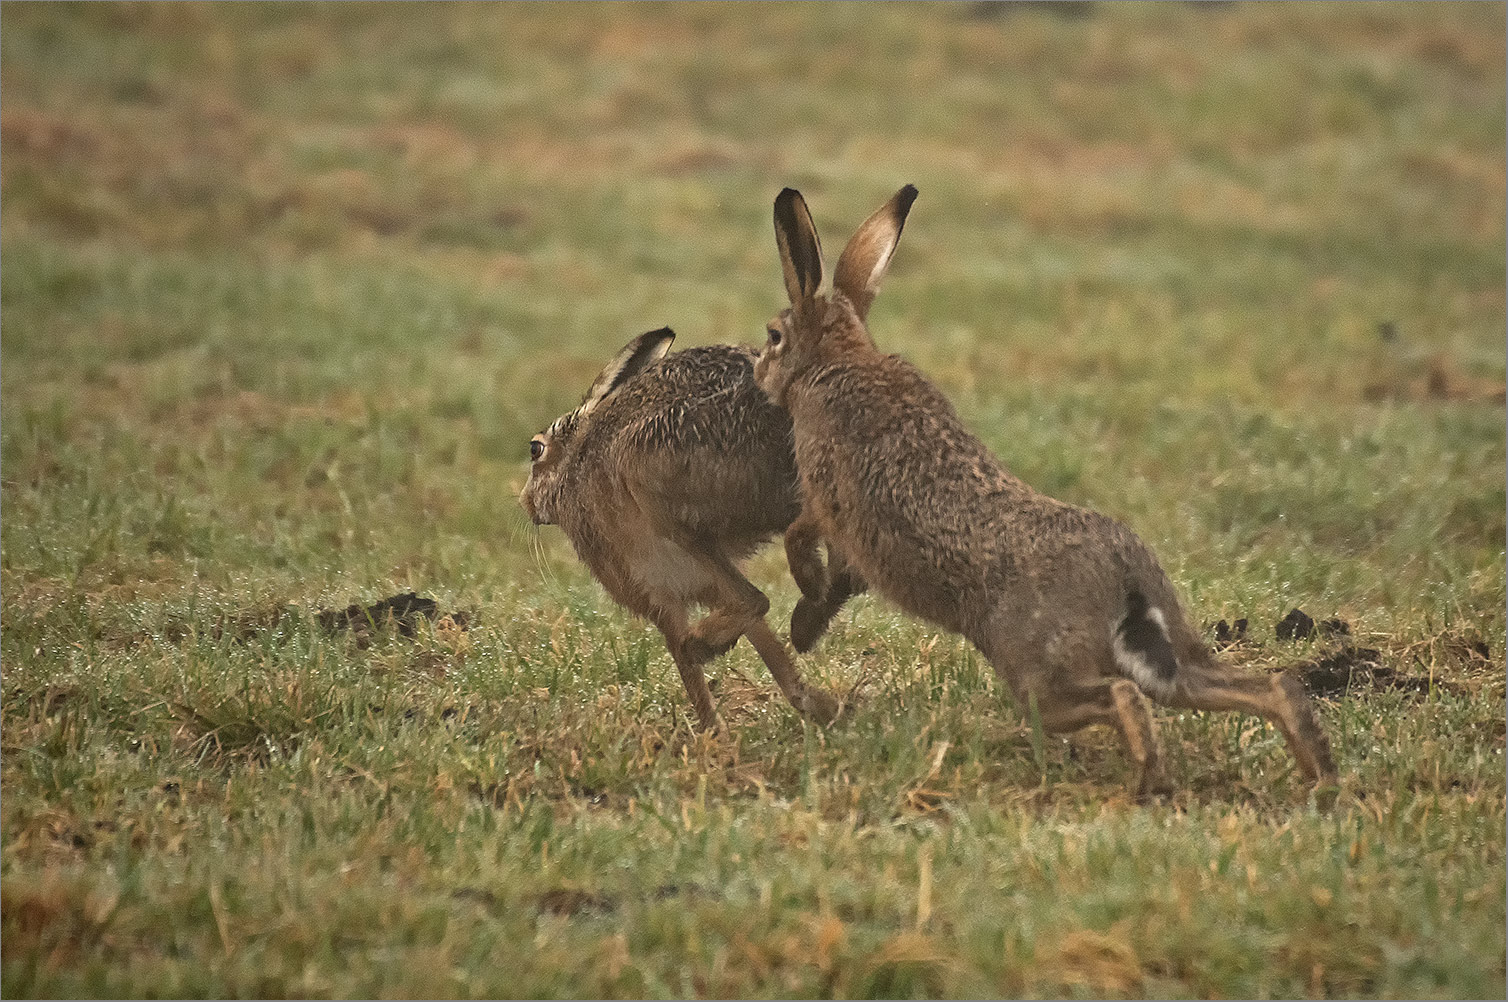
x=811, y=618
x=809, y=621
x=1281, y=699
x=1117, y=703
x=810, y=702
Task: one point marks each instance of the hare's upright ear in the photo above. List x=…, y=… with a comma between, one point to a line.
x=642, y=351
x=800, y=250
x=863, y=263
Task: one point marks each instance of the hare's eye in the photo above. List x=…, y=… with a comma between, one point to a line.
x=536, y=449
x=774, y=333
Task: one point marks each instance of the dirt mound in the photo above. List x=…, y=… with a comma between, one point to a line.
x=1351, y=669
x=1347, y=669
x=396, y=612
x=402, y=611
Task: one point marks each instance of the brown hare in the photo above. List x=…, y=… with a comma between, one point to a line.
x=1068, y=605
x=672, y=470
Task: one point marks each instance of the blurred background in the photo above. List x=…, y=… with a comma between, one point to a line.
x=287, y=288
x=353, y=255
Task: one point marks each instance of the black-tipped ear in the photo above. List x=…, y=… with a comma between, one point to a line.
x=863, y=263
x=800, y=250
x=638, y=354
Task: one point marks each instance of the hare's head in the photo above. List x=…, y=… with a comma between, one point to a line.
x=815, y=328
x=553, y=451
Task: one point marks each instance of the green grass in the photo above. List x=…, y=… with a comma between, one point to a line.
x=286, y=290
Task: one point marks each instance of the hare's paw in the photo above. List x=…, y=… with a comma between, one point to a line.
x=1153, y=785
x=809, y=620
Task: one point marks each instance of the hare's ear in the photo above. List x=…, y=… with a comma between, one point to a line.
x=641, y=352
x=800, y=250
x=863, y=263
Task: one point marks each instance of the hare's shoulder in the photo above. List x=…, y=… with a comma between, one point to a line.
x=880, y=386
x=886, y=405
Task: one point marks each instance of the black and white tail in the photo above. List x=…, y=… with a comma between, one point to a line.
x=1143, y=652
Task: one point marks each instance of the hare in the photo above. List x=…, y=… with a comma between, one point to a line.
x=1068, y=605
x=672, y=470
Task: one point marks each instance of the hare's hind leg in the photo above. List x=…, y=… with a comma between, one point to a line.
x=734, y=605
x=1119, y=704
x=808, y=701
x=739, y=610
x=1279, y=698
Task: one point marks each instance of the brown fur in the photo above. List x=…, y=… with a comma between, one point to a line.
x=671, y=471
x=917, y=505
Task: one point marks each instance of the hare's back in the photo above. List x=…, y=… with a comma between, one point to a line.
x=696, y=399
x=701, y=443
x=884, y=429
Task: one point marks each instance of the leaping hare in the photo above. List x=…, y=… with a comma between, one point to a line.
x=671, y=471
x=1068, y=605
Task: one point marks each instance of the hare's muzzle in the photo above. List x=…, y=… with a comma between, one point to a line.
x=526, y=499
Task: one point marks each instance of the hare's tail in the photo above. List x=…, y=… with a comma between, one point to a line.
x=1143, y=650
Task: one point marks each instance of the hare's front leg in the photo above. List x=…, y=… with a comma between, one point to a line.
x=803, y=554
x=824, y=588
x=673, y=624
x=739, y=610
x=810, y=619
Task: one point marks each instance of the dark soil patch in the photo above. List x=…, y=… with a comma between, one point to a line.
x=571, y=901
x=1229, y=634
x=568, y=901
x=1334, y=628
x=397, y=612
x=400, y=611
x=1350, y=669
x=1297, y=625
x=1068, y=10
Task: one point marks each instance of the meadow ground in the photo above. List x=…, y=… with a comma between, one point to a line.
x=286, y=290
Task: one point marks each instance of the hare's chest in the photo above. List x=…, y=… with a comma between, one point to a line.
x=668, y=570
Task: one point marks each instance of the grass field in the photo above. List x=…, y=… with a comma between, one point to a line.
x=286, y=290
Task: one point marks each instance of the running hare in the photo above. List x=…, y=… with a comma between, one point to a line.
x=1069, y=605
x=671, y=471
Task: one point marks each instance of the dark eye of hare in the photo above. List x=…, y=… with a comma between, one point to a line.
x=536, y=449
x=774, y=336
